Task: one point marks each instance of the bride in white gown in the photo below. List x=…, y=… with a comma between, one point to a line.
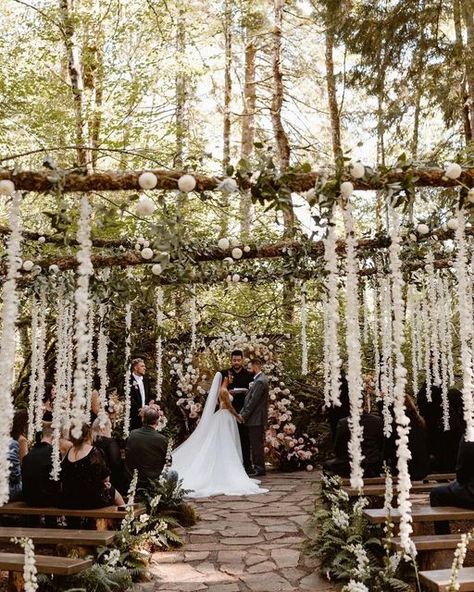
x=210, y=461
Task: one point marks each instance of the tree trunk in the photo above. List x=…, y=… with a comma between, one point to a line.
x=468, y=16
x=459, y=54
x=248, y=127
x=227, y=82
x=332, y=95
x=77, y=83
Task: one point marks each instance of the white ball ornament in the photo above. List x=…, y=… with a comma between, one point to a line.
x=347, y=189
x=228, y=260
x=145, y=206
x=7, y=187
x=228, y=185
x=148, y=180
x=146, y=253
x=41, y=239
x=453, y=170
x=452, y=224
x=54, y=268
x=236, y=277
x=357, y=170
x=423, y=229
x=186, y=183
x=237, y=253
x=223, y=244
x=28, y=265
x=156, y=269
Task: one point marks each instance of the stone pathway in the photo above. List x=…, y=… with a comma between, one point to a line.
x=246, y=543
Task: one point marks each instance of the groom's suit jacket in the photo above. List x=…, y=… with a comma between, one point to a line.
x=136, y=401
x=255, y=409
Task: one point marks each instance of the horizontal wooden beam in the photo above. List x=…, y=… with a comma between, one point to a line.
x=80, y=182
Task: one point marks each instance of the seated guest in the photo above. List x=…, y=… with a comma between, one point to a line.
x=19, y=431
x=372, y=446
x=102, y=438
x=85, y=476
x=459, y=493
x=146, y=449
x=14, y=481
x=39, y=489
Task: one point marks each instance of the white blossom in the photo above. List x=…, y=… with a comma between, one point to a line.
x=29, y=567
x=145, y=206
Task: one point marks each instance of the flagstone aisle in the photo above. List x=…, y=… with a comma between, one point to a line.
x=245, y=543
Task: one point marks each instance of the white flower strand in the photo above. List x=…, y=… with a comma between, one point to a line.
x=465, y=325
x=70, y=366
x=304, y=338
x=81, y=335
x=193, y=319
x=354, y=362
x=402, y=421
x=159, y=342
x=427, y=349
x=443, y=342
x=128, y=350
x=414, y=325
x=449, y=330
x=387, y=362
x=8, y=342
x=90, y=361
x=458, y=561
x=433, y=318
x=34, y=369
x=326, y=364
x=29, y=568
x=102, y=353
x=60, y=381
x=40, y=367
x=332, y=312
x=375, y=330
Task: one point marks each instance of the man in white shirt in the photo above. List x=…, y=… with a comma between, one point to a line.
x=139, y=392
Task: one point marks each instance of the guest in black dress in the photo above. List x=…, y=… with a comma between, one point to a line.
x=102, y=438
x=38, y=487
x=85, y=476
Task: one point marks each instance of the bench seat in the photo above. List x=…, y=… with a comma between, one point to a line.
x=381, y=480
x=438, y=580
x=59, y=536
x=379, y=490
x=431, y=542
x=62, y=566
x=107, y=513
x=422, y=514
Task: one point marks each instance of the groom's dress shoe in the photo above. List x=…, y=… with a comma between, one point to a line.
x=257, y=474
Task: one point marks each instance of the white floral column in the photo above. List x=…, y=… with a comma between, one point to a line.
x=81, y=335
x=465, y=325
x=159, y=342
x=33, y=368
x=8, y=342
x=128, y=350
x=102, y=354
x=403, y=424
x=40, y=362
x=354, y=363
x=303, y=336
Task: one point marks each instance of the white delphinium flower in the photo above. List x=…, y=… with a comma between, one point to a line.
x=8, y=342
x=102, y=354
x=126, y=386
x=340, y=518
x=354, y=586
x=33, y=369
x=332, y=311
x=465, y=326
x=458, y=561
x=29, y=568
x=304, y=340
x=354, y=362
x=402, y=421
x=159, y=343
x=362, y=568
x=129, y=514
x=81, y=334
x=40, y=363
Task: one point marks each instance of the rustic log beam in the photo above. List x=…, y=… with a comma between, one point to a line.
x=73, y=181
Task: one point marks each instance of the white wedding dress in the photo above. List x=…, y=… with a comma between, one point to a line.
x=210, y=461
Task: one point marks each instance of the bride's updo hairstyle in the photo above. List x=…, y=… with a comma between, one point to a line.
x=86, y=435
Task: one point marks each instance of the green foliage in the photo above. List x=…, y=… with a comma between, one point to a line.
x=96, y=579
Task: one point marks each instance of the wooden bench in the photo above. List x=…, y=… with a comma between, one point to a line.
x=379, y=490
x=59, y=536
x=438, y=580
x=381, y=480
x=104, y=517
x=434, y=551
x=422, y=514
x=62, y=566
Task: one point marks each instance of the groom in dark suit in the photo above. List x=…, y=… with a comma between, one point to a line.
x=255, y=416
x=140, y=392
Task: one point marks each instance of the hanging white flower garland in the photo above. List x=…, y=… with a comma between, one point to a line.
x=375, y=331
x=433, y=320
x=465, y=325
x=81, y=335
x=331, y=343
x=41, y=350
x=414, y=326
x=34, y=369
x=354, y=363
x=326, y=362
x=427, y=349
x=159, y=342
x=193, y=319
x=386, y=370
x=29, y=567
x=128, y=351
x=303, y=336
x=8, y=342
x=90, y=360
x=448, y=313
x=443, y=353
x=102, y=353
x=402, y=421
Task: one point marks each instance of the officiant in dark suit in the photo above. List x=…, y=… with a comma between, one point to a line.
x=255, y=416
x=236, y=380
x=140, y=392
